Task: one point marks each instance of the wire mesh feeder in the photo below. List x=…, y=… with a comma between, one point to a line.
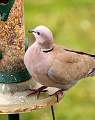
x=15, y=81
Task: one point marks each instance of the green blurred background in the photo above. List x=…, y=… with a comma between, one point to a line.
x=73, y=25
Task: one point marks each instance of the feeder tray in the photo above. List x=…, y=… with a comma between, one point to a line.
x=14, y=98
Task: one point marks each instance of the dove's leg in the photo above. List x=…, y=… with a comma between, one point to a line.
x=57, y=93
x=37, y=91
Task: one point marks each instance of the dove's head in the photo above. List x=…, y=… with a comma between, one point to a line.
x=43, y=36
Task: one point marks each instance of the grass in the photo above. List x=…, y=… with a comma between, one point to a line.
x=73, y=25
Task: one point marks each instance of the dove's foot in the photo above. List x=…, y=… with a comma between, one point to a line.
x=37, y=91
x=57, y=93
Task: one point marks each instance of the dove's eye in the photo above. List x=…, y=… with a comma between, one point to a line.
x=38, y=33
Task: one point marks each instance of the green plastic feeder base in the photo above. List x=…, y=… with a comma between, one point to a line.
x=14, y=77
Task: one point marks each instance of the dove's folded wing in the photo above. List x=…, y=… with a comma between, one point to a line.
x=69, y=67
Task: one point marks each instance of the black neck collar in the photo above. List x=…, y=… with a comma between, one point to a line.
x=47, y=50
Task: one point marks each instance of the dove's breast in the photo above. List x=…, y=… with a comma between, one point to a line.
x=40, y=65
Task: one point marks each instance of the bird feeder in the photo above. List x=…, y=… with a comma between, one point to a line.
x=15, y=80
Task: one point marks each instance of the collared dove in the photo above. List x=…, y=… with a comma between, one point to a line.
x=56, y=66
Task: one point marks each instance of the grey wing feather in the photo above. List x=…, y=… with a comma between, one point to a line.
x=53, y=75
x=59, y=73
x=56, y=74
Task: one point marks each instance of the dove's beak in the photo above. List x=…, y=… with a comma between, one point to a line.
x=31, y=30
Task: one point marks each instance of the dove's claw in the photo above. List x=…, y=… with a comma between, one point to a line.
x=59, y=92
x=37, y=91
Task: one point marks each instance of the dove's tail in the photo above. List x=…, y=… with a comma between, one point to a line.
x=92, y=72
